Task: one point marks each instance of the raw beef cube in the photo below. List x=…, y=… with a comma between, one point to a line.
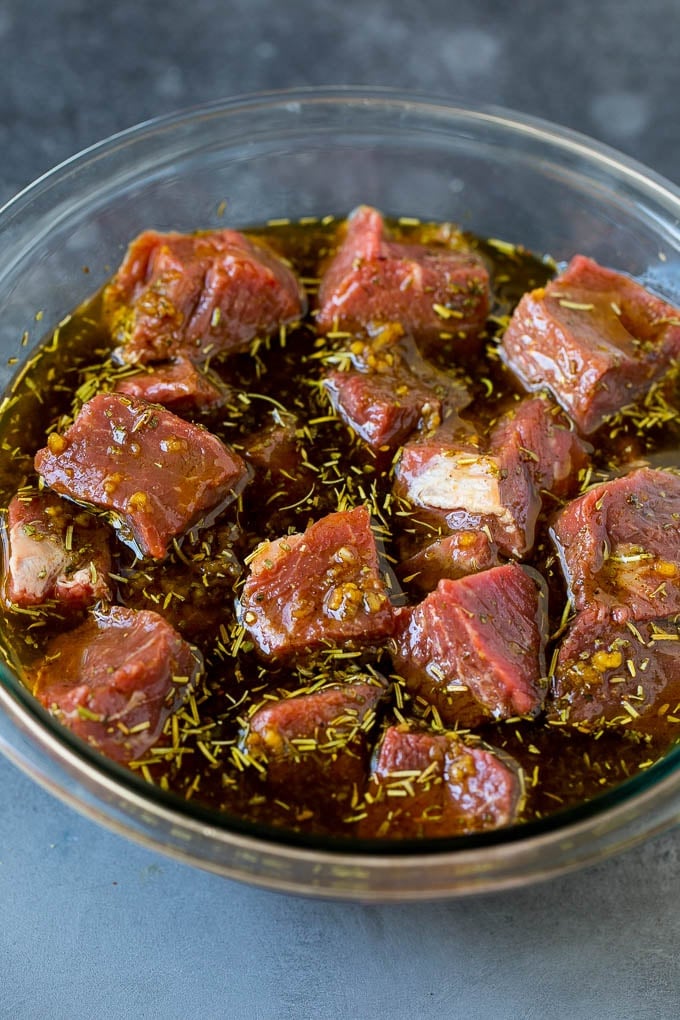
x=595, y=337
x=274, y=448
x=319, y=588
x=619, y=545
x=314, y=746
x=617, y=675
x=469, y=489
x=427, y=784
x=430, y=290
x=156, y=473
x=392, y=390
x=494, y=485
x=382, y=411
x=198, y=295
x=54, y=553
x=116, y=679
x=178, y=385
x=278, y=458
x=454, y=556
x=537, y=434
x=474, y=647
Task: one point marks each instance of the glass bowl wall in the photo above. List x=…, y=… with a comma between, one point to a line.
x=309, y=153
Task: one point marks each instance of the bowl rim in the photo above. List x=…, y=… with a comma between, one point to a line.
x=34, y=721
x=568, y=138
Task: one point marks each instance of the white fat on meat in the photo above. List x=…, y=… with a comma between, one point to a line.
x=450, y=481
x=35, y=565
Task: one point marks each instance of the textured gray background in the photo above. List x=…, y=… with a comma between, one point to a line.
x=75, y=71
x=92, y=926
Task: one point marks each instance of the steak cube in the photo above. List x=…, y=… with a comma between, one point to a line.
x=157, y=474
x=430, y=290
x=428, y=785
x=274, y=449
x=314, y=746
x=454, y=556
x=116, y=679
x=380, y=409
x=494, y=484
x=619, y=545
x=178, y=385
x=466, y=489
x=535, y=433
x=55, y=553
x=474, y=647
x=392, y=390
x=619, y=675
x=198, y=295
x=319, y=588
x=277, y=455
x=595, y=337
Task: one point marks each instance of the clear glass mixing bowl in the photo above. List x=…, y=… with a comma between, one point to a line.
x=308, y=153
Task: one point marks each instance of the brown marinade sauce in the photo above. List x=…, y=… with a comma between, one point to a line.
x=195, y=587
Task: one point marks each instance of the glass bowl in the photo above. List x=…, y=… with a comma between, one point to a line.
x=308, y=153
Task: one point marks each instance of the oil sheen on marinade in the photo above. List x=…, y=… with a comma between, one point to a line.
x=194, y=587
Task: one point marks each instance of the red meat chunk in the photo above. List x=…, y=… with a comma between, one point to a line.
x=380, y=409
x=198, y=295
x=536, y=434
x=428, y=785
x=157, y=474
x=456, y=555
x=116, y=679
x=620, y=545
x=595, y=337
x=619, y=675
x=321, y=587
x=178, y=385
x=277, y=456
x=474, y=647
x=274, y=448
x=314, y=746
x=431, y=291
x=392, y=390
x=54, y=553
x=463, y=488
x=495, y=484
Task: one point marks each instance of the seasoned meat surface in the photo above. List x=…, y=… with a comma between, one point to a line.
x=435, y=293
x=493, y=481
x=535, y=435
x=321, y=587
x=156, y=472
x=456, y=555
x=619, y=545
x=474, y=647
x=619, y=675
x=595, y=337
x=54, y=553
x=464, y=487
x=116, y=679
x=315, y=746
x=178, y=385
x=390, y=390
x=428, y=785
x=198, y=295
